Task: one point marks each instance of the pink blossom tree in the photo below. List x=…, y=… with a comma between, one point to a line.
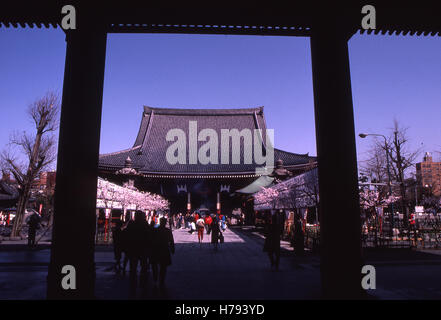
x=266, y=198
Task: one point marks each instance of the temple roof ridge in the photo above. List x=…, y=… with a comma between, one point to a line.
x=121, y=151
x=203, y=112
x=298, y=154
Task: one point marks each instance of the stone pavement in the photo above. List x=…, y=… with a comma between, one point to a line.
x=238, y=270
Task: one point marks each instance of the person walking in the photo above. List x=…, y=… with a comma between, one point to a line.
x=175, y=221
x=223, y=223
x=192, y=227
x=208, y=220
x=200, y=224
x=152, y=224
x=33, y=225
x=170, y=221
x=272, y=241
x=124, y=245
x=117, y=244
x=187, y=221
x=139, y=245
x=161, y=258
x=178, y=221
x=299, y=238
x=215, y=233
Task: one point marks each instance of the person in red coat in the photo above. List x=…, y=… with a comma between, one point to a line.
x=200, y=225
x=208, y=221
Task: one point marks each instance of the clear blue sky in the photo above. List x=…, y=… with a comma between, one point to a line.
x=392, y=77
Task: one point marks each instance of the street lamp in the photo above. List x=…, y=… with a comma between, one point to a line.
x=364, y=135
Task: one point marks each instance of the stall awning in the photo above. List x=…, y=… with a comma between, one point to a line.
x=256, y=186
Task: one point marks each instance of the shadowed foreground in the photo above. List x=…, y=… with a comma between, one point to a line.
x=239, y=270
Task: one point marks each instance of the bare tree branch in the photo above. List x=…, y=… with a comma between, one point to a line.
x=401, y=160
x=40, y=150
x=45, y=112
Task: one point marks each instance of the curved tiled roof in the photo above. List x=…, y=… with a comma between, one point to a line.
x=148, y=154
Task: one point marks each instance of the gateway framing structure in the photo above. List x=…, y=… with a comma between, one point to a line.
x=329, y=28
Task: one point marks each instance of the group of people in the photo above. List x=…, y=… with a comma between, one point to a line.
x=188, y=220
x=213, y=224
x=151, y=245
x=146, y=244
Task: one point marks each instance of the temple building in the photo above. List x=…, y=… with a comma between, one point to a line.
x=169, y=157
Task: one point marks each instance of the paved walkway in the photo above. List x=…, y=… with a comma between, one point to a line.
x=238, y=270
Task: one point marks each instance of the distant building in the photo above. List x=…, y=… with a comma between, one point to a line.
x=429, y=175
x=47, y=181
x=44, y=184
x=191, y=184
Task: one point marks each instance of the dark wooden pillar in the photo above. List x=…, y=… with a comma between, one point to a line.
x=78, y=151
x=337, y=165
